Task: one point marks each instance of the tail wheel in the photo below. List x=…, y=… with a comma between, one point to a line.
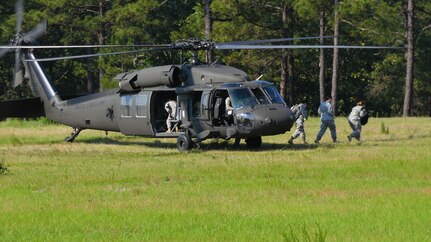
x=253, y=142
x=184, y=142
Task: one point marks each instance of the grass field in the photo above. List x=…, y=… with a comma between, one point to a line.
x=118, y=188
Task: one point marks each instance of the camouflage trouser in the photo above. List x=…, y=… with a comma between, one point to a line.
x=299, y=131
x=356, y=127
x=169, y=121
x=327, y=124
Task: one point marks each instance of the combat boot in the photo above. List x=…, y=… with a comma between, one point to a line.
x=290, y=142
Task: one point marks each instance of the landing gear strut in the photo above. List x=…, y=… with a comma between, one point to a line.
x=74, y=134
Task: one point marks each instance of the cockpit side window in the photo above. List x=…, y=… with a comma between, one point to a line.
x=274, y=95
x=261, y=97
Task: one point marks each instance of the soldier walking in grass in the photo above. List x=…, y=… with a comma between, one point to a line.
x=327, y=120
x=300, y=111
x=357, y=113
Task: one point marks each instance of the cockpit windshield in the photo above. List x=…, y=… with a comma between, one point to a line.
x=242, y=97
x=274, y=95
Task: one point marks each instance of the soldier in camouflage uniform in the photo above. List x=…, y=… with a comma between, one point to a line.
x=355, y=121
x=300, y=111
x=327, y=120
x=171, y=109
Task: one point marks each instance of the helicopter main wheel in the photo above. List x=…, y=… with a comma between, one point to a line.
x=184, y=142
x=253, y=142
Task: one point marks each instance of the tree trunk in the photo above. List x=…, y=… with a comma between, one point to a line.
x=283, y=76
x=322, y=27
x=208, y=27
x=408, y=96
x=335, y=64
x=91, y=82
x=287, y=57
x=101, y=39
x=429, y=104
x=291, y=76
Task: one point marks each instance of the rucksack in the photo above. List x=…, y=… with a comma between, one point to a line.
x=295, y=110
x=365, y=116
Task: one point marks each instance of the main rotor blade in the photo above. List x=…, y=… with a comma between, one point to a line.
x=95, y=55
x=19, y=12
x=254, y=42
x=254, y=47
x=19, y=77
x=78, y=46
x=37, y=32
x=4, y=51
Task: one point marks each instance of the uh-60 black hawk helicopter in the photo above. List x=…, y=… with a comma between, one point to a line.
x=137, y=107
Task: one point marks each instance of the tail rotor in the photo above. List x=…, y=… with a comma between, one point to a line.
x=20, y=39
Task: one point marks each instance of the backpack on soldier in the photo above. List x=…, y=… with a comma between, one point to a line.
x=365, y=116
x=296, y=111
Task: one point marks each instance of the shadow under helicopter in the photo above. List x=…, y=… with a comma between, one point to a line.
x=210, y=145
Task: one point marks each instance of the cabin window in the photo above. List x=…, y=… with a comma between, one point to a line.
x=126, y=103
x=141, y=105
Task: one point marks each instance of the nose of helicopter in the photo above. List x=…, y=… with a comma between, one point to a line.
x=270, y=120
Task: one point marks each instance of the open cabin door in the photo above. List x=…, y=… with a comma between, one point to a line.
x=219, y=114
x=159, y=113
x=135, y=114
x=206, y=105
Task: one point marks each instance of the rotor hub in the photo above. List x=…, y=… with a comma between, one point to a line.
x=17, y=40
x=194, y=44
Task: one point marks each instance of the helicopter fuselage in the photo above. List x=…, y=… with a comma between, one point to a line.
x=142, y=113
x=200, y=92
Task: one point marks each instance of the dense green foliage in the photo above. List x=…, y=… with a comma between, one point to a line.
x=118, y=188
x=375, y=76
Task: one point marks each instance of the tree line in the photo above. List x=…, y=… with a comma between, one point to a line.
x=393, y=82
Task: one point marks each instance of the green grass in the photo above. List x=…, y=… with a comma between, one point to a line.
x=115, y=187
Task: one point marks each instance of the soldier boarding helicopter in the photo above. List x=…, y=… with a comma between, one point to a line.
x=201, y=91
